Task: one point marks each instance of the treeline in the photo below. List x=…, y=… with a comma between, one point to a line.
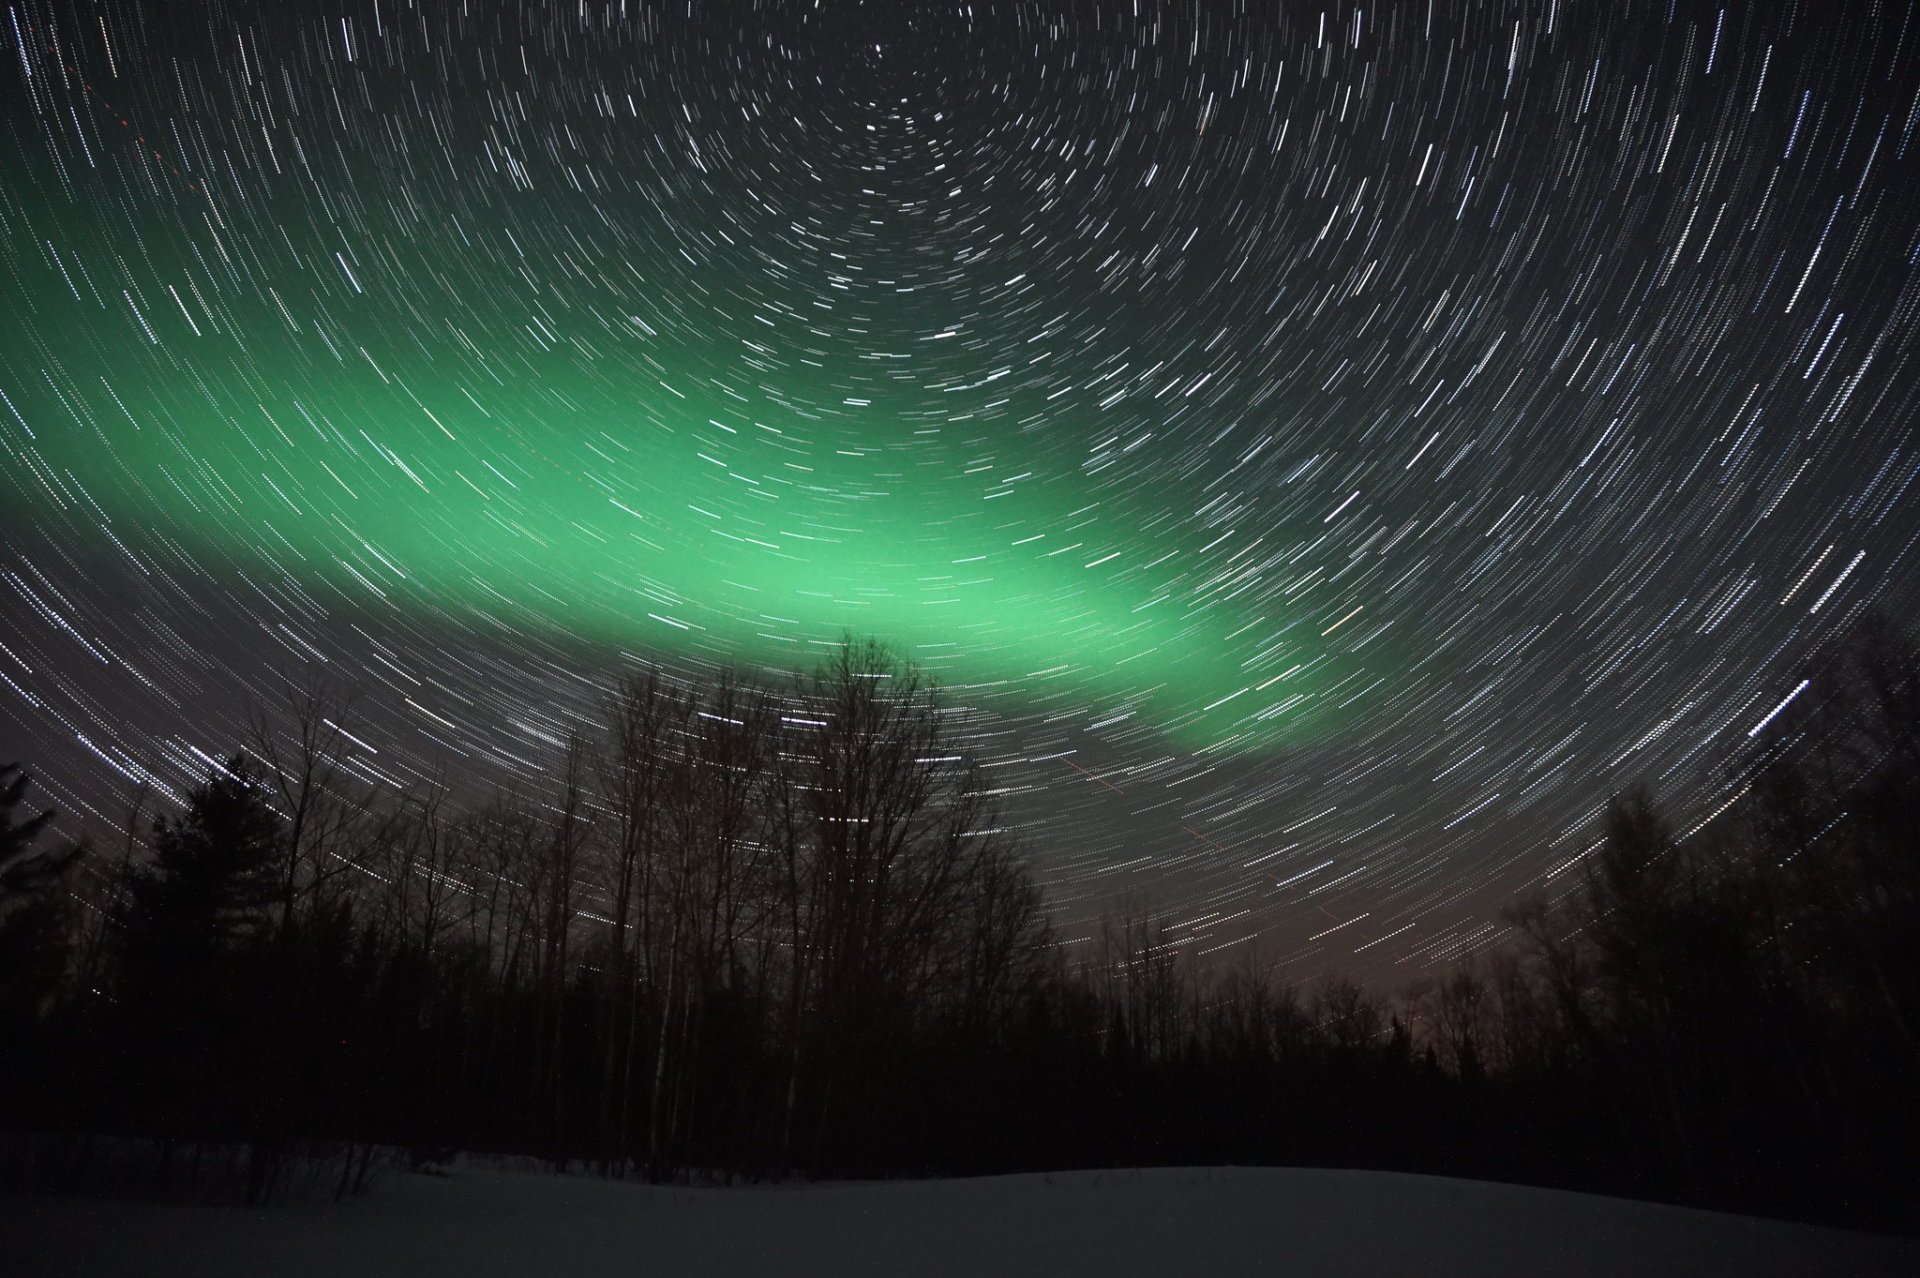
x=766, y=931
x=1724, y=1015
x=724, y=936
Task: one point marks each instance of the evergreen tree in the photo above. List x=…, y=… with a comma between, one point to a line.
x=21, y=869
x=192, y=919
x=32, y=909
x=208, y=888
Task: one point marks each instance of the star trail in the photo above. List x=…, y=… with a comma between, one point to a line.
x=1323, y=449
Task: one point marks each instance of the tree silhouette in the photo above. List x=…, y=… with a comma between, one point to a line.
x=192, y=919
x=213, y=877
x=32, y=907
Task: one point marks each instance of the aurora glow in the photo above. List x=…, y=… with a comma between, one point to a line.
x=632, y=460
x=1353, y=437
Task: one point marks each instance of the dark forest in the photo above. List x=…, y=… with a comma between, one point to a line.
x=755, y=932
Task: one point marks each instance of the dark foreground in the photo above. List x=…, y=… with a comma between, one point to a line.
x=1162, y=1221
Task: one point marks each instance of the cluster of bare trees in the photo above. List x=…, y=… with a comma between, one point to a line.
x=752, y=930
x=713, y=940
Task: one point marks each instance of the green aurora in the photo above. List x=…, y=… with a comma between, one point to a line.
x=644, y=468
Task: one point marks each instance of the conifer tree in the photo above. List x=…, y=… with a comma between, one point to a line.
x=32, y=908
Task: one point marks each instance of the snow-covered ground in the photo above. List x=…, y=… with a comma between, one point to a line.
x=1170, y=1221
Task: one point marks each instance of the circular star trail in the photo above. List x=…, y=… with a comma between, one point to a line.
x=1322, y=449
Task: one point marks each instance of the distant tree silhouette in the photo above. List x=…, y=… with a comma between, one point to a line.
x=21, y=869
x=33, y=908
x=302, y=756
x=1461, y=1015
x=209, y=890
x=193, y=917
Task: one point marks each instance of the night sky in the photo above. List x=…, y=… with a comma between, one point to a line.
x=1322, y=449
